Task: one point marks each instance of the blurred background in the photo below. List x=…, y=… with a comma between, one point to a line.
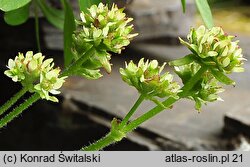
x=87, y=107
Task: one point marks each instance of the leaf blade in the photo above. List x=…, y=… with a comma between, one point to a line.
x=69, y=28
x=222, y=77
x=85, y=4
x=18, y=16
x=183, y=3
x=205, y=12
x=9, y=5
x=54, y=16
x=183, y=61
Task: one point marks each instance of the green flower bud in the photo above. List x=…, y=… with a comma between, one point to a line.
x=205, y=90
x=26, y=69
x=147, y=79
x=30, y=68
x=49, y=83
x=107, y=30
x=215, y=48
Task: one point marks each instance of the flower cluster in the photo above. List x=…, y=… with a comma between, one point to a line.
x=216, y=48
x=107, y=30
x=147, y=79
x=205, y=90
x=30, y=68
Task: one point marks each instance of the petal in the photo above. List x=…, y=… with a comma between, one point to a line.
x=58, y=84
x=46, y=63
x=82, y=15
x=225, y=52
x=212, y=53
x=37, y=55
x=32, y=65
x=226, y=62
x=55, y=92
x=53, y=98
x=11, y=63
x=29, y=54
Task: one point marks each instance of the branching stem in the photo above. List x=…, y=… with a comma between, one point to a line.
x=111, y=138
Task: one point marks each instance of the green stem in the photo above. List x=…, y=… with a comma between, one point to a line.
x=132, y=111
x=111, y=138
x=148, y=115
x=12, y=101
x=185, y=89
x=190, y=84
x=4, y=121
x=37, y=27
x=100, y=144
x=74, y=66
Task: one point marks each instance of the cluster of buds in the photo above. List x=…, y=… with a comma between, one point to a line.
x=215, y=48
x=217, y=52
x=30, y=68
x=147, y=79
x=205, y=90
x=107, y=30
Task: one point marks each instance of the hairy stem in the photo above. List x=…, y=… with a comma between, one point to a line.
x=75, y=66
x=110, y=139
x=4, y=121
x=132, y=111
x=100, y=144
x=12, y=101
x=185, y=89
x=113, y=137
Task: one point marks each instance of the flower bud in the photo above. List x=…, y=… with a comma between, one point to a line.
x=215, y=48
x=205, y=90
x=29, y=69
x=49, y=83
x=147, y=79
x=107, y=30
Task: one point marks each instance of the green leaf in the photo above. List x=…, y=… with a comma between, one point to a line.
x=222, y=77
x=54, y=16
x=69, y=28
x=9, y=5
x=89, y=74
x=85, y=4
x=18, y=16
x=183, y=61
x=205, y=12
x=183, y=2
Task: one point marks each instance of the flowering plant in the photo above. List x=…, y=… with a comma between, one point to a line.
x=101, y=31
